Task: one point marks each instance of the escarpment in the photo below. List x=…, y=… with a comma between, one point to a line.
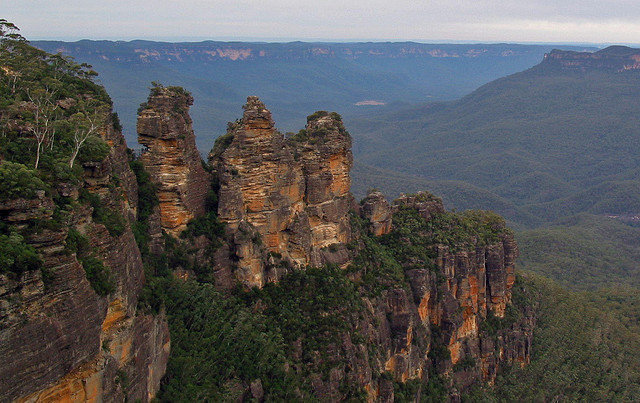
x=293, y=192
x=444, y=313
x=72, y=331
x=611, y=59
x=365, y=301
x=432, y=296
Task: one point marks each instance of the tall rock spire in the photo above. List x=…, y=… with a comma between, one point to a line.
x=293, y=192
x=171, y=157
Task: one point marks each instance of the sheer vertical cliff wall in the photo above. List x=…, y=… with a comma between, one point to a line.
x=171, y=157
x=61, y=338
x=432, y=289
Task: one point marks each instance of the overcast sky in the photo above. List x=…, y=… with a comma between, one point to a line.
x=594, y=21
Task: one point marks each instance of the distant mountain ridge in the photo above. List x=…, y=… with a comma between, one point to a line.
x=612, y=58
x=147, y=51
x=558, y=139
x=294, y=77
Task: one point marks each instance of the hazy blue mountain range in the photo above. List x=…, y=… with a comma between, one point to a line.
x=555, y=140
x=294, y=79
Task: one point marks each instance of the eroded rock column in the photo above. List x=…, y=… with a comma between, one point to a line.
x=171, y=157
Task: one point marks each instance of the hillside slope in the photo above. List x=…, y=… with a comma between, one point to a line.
x=560, y=138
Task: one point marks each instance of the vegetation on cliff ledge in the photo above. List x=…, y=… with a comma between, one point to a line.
x=285, y=335
x=52, y=121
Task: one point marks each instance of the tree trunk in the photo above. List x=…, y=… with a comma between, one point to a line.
x=38, y=154
x=73, y=156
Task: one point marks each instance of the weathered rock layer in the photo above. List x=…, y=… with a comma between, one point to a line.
x=294, y=192
x=59, y=339
x=171, y=157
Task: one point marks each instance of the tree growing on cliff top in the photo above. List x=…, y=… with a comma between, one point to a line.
x=43, y=126
x=86, y=123
x=9, y=32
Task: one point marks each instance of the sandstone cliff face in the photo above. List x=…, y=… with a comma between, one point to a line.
x=375, y=209
x=286, y=203
x=294, y=193
x=468, y=286
x=60, y=340
x=437, y=321
x=171, y=157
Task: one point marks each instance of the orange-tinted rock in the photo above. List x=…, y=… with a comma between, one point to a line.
x=59, y=340
x=295, y=194
x=446, y=306
x=377, y=210
x=171, y=157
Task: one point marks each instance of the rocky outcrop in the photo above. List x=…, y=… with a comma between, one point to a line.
x=295, y=193
x=59, y=339
x=171, y=157
x=325, y=152
x=376, y=209
x=446, y=317
x=285, y=203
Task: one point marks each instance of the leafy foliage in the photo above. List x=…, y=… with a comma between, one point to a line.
x=95, y=150
x=584, y=252
x=110, y=218
x=147, y=201
x=17, y=181
x=45, y=103
x=17, y=256
x=98, y=275
x=221, y=343
x=584, y=347
x=51, y=112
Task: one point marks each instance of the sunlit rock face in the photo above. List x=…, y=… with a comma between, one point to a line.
x=171, y=157
x=443, y=307
x=293, y=192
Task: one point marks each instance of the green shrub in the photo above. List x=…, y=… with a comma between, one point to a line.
x=221, y=144
x=207, y=225
x=94, y=150
x=115, y=122
x=147, y=197
x=467, y=362
x=99, y=276
x=317, y=115
x=16, y=255
x=76, y=242
x=112, y=220
x=17, y=181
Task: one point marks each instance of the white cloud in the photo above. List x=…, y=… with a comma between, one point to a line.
x=481, y=20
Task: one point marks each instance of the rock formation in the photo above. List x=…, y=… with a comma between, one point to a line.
x=286, y=203
x=440, y=320
x=376, y=209
x=434, y=323
x=295, y=193
x=171, y=157
x=59, y=339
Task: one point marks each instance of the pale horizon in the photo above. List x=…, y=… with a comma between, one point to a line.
x=585, y=22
